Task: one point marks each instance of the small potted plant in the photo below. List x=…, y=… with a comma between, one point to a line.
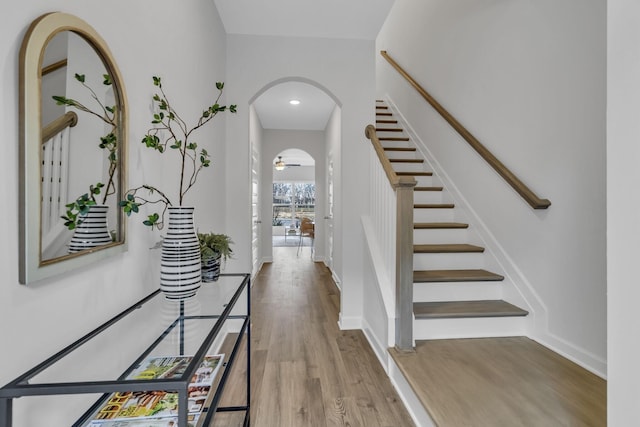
x=214, y=248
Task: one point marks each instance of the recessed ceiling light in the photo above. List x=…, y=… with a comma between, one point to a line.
x=294, y=102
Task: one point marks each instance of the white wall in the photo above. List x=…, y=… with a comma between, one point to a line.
x=528, y=80
x=333, y=168
x=42, y=318
x=256, y=63
x=274, y=142
x=623, y=205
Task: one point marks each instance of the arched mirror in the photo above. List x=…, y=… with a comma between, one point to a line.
x=73, y=143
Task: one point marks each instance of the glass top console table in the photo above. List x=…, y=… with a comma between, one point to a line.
x=162, y=361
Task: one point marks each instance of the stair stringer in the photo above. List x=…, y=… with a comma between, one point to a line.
x=516, y=288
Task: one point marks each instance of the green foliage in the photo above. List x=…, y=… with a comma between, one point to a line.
x=78, y=209
x=171, y=133
x=212, y=245
x=109, y=142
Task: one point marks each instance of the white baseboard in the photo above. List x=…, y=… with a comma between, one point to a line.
x=347, y=323
x=580, y=357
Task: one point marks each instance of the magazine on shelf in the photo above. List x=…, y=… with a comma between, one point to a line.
x=159, y=408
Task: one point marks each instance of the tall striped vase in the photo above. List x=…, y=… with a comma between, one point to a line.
x=92, y=231
x=180, y=271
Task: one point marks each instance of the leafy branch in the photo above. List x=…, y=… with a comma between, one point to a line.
x=109, y=142
x=79, y=208
x=171, y=132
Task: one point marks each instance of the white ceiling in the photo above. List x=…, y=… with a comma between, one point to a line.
x=343, y=19
x=276, y=112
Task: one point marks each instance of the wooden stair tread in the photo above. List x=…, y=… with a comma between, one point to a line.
x=398, y=148
x=425, y=276
x=433, y=206
x=447, y=248
x=382, y=107
x=414, y=173
x=395, y=139
x=439, y=225
x=389, y=129
x=387, y=121
x=461, y=309
x=428, y=188
x=406, y=160
x=384, y=114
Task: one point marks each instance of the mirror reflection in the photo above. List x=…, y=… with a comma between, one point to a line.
x=79, y=149
x=73, y=132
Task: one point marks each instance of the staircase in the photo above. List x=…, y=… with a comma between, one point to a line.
x=456, y=295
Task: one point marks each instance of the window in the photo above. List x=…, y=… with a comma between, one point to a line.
x=291, y=201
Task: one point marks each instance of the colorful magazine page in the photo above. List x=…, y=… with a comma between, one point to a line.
x=192, y=420
x=139, y=404
x=168, y=367
x=159, y=408
x=208, y=370
x=160, y=367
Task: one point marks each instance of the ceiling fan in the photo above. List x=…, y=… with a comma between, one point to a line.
x=281, y=165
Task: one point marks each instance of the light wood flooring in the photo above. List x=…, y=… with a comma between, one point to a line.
x=510, y=382
x=305, y=371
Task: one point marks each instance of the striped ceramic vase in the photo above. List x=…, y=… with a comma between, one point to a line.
x=180, y=271
x=92, y=231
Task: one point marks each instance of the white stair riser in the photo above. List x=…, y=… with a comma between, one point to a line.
x=428, y=197
x=440, y=236
x=402, y=154
x=424, y=181
x=433, y=215
x=456, y=291
x=409, y=167
x=477, y=327
x=456, y=261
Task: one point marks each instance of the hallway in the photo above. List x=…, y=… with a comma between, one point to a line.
x=305, y=371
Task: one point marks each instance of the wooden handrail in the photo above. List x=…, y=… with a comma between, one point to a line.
x=69, y=119
x=53, y=67
x=524, y=191
x=395, y=180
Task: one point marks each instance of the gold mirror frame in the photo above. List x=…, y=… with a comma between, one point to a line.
x=42, y=30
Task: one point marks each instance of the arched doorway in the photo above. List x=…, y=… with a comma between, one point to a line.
x=294, y=197
x=276, y=125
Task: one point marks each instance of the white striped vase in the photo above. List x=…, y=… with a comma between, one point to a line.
x=180, y=271
x=92, y=231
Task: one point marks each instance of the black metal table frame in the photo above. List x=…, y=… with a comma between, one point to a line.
x=20, y=386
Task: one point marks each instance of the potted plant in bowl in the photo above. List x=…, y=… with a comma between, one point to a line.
x=180, y=272
x=214, y=249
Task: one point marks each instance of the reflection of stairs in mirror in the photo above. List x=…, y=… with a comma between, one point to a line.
x=54, y=179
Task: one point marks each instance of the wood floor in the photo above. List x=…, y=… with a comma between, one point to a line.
x=510, y=382
x=305, y=371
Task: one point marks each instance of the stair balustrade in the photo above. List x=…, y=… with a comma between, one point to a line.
x=392, y=212
x=55, y=154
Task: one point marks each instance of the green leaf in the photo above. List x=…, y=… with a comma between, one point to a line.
x=232, y=108
x=80, y=77
x=219, y=85
x=157, y=81
x=107, y=80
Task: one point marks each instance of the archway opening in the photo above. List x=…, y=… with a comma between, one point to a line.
x=294, y=198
